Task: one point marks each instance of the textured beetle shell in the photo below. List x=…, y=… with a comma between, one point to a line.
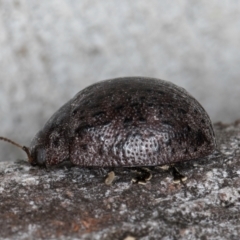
x=127, y=122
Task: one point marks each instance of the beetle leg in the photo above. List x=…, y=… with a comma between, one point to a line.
x=143, y=176
x=163, y=167
x=177, y=176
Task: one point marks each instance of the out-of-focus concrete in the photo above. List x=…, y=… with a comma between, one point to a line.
x=49, y=50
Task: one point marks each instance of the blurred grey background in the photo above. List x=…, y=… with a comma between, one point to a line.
x=49, y=50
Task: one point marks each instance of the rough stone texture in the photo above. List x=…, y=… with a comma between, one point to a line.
x=49, y=50
x=71, y=203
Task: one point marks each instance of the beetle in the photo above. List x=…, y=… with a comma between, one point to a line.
x=125, y=122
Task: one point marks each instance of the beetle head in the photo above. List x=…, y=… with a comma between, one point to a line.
x=49, y=147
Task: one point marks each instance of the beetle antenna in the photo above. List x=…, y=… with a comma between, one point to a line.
x=25, y=149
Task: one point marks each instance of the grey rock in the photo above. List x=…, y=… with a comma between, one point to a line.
x=69, y=202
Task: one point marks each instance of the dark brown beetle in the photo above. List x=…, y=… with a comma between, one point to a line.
x=125, y=122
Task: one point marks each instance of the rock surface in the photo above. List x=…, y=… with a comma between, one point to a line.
x=72, y=203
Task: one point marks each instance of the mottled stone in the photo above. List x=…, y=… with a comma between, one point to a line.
x=71, y=202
